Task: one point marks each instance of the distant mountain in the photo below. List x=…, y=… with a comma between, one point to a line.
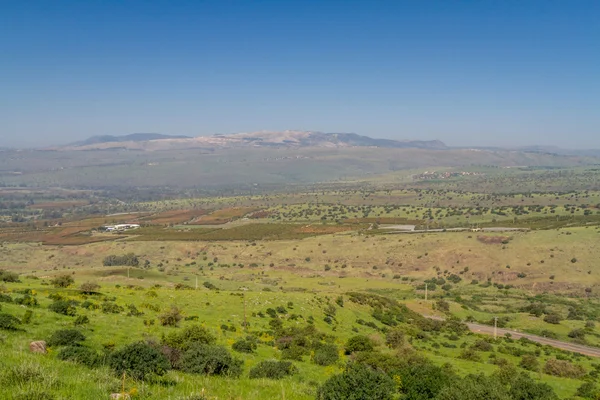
x=155, y=141
x=134, y=137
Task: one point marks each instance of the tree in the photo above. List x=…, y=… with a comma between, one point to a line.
x=62, y=281
x=89, y=287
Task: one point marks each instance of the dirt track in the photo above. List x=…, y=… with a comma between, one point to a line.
x=489, y=330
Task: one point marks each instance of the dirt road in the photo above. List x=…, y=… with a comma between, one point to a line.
x=489, y=330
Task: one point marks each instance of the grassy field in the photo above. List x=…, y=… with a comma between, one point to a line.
x=271, y=264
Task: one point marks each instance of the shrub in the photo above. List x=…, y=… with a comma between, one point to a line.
x=63, y=307
x=272, y=370
x=588, y=390
x=80, y=355
x=552, y=318
x=469, y=354
x=563, y=369
x=5, y=298
x=130, y=260
x=244, y=346
x=210, y=360
x=577, y=334
x=89, y=305
x=171, y=317
x=358, y=382
x=27, y=317
x=359, y=343
x=138, y=360
x=66, y=337
x=189, y=336
x=109, y=307
x=27, y=300
x=475, y=387
x=482, y=345
x=62, y=281
x=293, y=352
x=9, y=322
x=81, y=320
x=394, y=338
x=529, y=362
x=326, y=354
x=89, y=287
x=8, y=276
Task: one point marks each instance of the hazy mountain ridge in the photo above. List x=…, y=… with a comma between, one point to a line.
x=284, y=139
x=134, y=137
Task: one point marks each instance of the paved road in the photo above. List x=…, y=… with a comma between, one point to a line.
x=489, y=330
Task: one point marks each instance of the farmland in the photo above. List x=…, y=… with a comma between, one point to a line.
x=298, y=276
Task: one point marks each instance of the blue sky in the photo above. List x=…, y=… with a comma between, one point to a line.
x=465, y=72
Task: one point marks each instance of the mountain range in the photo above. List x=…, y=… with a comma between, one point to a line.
x=283, y=139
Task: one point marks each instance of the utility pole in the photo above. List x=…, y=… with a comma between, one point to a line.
x=196, y=282
x=495, y=328
x=128, y=272
x=425, y=291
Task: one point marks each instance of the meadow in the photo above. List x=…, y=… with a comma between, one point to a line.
x=295, y=294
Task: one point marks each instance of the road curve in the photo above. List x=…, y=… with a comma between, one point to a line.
x=489, y=330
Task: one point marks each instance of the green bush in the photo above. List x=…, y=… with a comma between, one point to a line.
x=529, y=362
x=138, y=360
x=8, y=276
x=171, y=317
x=588, y=390
x=482, y=345
x=63, y=307
x=81, y=320
x=326, y=354
x=80, y=355
x=9, y=322
x=62, y=281
x=272, y=370
x=469, y=355
x=394, y=338
x=66, y=337
x=5, y=298
x=188, y=337
x=210, y=360
x=293, y=352
x=359, y=343
x=577, y=334
x=244, y=346
x=27, y=300
x=552, y=318
x=109, y=307
x=27, y=317
x=358, y=382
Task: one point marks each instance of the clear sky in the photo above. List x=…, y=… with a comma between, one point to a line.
x=495, y=72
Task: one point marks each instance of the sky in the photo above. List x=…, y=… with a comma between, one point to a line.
x=469, y=73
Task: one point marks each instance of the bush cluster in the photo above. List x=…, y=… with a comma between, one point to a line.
x=272, y=369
